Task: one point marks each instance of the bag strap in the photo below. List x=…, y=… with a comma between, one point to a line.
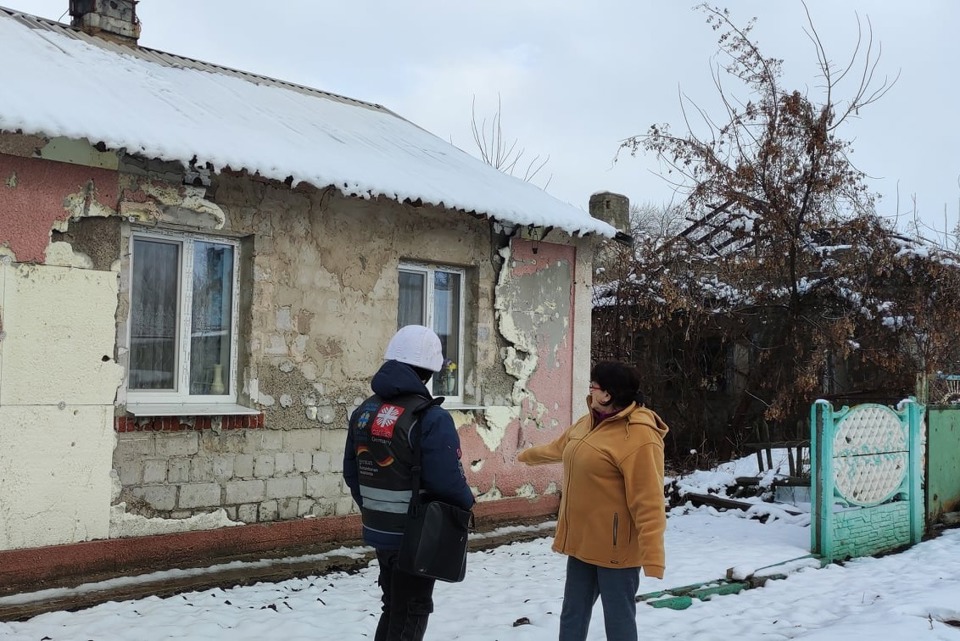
x=416, y=467
x=415, y=436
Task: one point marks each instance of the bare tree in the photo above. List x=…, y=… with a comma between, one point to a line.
x=785, y=285
x=498, y=151
x=650, y=226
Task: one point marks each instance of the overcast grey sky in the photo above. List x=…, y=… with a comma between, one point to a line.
x=578, y=76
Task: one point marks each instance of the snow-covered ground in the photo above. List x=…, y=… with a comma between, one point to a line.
x=902, y=597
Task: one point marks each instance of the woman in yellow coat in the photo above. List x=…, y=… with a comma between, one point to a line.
x=612, y=516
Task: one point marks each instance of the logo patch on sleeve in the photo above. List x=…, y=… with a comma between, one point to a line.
x=386, y=420
x=364, y=420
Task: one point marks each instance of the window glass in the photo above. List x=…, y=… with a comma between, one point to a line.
x=153, y=315
x=446, y=323
x=412, y=296
x=432, y=297
x=211, y=322
x=182, y=319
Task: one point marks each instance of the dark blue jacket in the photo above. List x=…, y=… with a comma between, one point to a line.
x=442, y=474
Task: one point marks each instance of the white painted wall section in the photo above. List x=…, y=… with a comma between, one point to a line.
x=55, y=486
x=58, y=381
x=60, y=324
x=582, y=327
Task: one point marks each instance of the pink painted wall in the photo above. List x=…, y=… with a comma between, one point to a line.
x=33, y=196
x=550, y=383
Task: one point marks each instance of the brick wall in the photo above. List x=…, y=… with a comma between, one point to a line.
x=181, y=423
x=177, y=467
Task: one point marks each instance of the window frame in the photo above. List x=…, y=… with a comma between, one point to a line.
x=156, y=399
x=429, y=272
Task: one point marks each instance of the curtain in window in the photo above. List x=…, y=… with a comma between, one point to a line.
x=413, y=291
x=153, y=315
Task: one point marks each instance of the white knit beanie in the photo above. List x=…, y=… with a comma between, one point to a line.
x=416, y=345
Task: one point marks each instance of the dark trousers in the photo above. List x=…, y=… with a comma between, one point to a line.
x=407, y=601
x=617, y=589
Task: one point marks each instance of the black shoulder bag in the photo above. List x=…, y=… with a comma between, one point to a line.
x=435, y=539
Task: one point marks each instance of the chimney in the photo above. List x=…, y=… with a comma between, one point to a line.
x=114, y=20
x=614, y=209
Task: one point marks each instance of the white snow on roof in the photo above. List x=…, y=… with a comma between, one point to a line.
x=59, y=82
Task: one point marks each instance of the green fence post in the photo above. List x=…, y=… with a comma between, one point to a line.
x=821, y=478
x=915, y=473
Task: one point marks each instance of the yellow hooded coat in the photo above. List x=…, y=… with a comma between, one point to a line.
x=612, y=505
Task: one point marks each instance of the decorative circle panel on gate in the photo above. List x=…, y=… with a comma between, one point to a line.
x=870, y=454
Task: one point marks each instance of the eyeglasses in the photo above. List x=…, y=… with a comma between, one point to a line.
x=595, y=387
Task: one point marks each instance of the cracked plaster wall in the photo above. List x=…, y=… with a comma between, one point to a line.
x=537, y=315
x=39, y=196
x=314, y=354
x=325, y=293
x=58, y=375
x=319, y=278
x=60, y=244
x=323, y=302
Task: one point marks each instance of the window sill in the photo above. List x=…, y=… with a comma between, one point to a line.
x=462, y=407
x=184, y=409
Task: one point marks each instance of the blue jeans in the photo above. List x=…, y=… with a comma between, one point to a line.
x=617, y=589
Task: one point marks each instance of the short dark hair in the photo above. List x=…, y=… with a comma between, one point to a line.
x=619, y=380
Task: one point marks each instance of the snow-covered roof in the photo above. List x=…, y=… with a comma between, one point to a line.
x=58, y=81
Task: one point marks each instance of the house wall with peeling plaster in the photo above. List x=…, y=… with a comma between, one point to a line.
x=537, y=314
x=319, y=295
x=58, y=376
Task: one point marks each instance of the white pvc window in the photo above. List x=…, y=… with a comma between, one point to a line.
x=433, y=296
x=183, y=319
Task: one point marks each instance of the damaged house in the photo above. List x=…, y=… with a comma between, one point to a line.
x=200, y=269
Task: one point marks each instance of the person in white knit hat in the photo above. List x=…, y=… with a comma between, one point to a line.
x=377, y=464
